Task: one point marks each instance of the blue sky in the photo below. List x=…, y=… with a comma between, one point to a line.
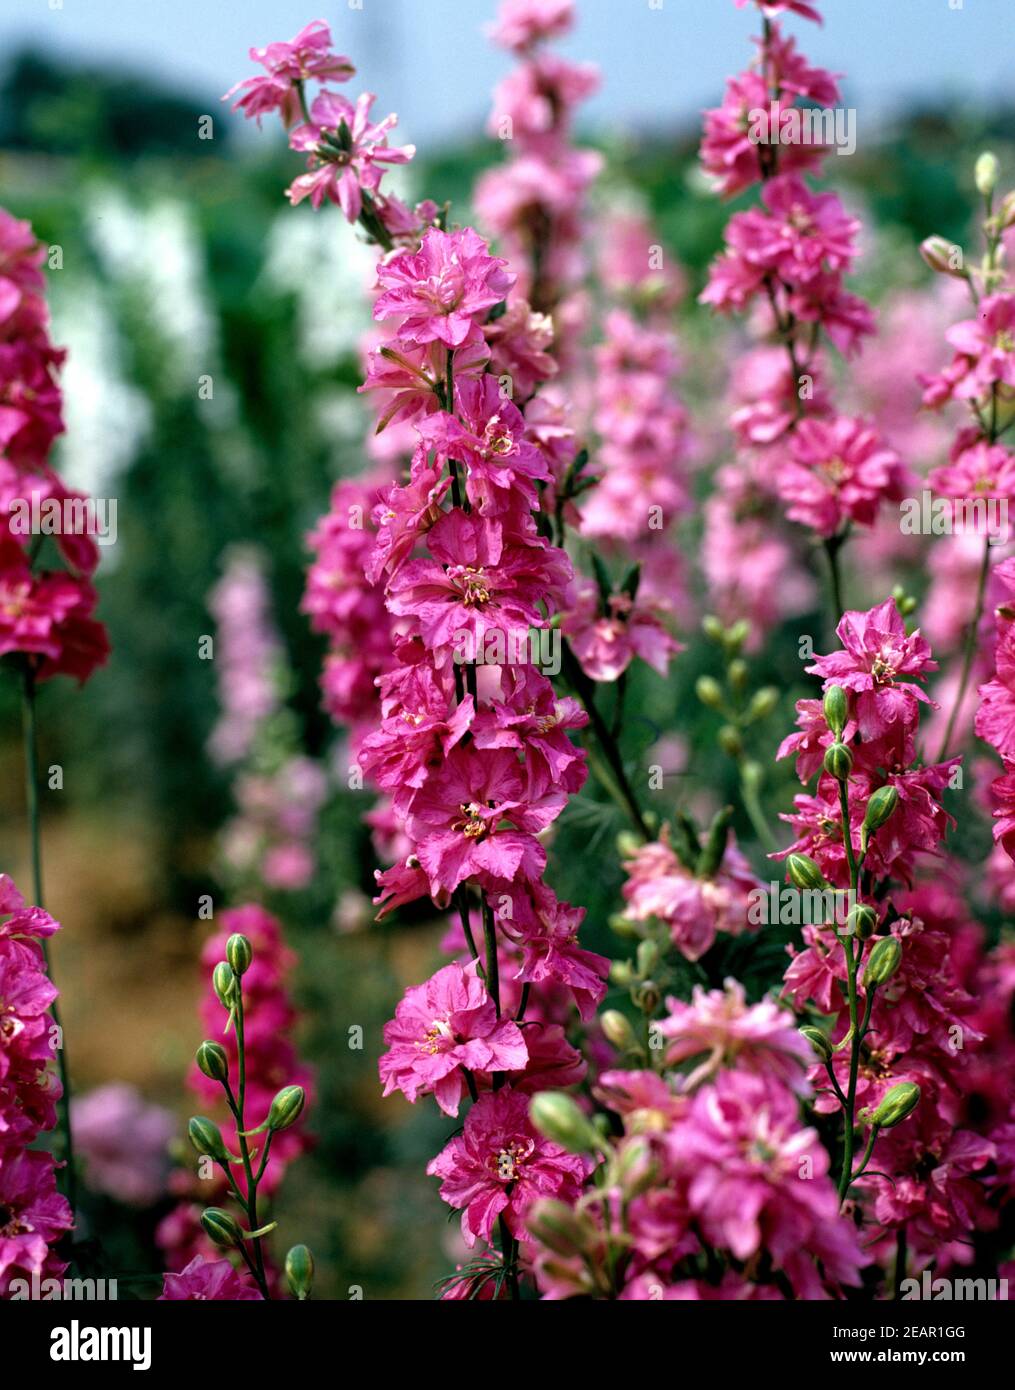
x=429, y=59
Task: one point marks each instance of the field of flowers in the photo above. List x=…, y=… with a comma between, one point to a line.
x=508, y=701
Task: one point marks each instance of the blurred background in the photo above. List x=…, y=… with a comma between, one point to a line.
x=182, y=263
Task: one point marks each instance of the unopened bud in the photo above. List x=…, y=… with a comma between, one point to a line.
x=861, y=921
x=647, y=957
x=617, y=1030
x=239, y=953
x=804, y=873
x=985, y=173
x=836, y=709
x=714, y=850
x=555, y=1225
x=213, y=1061
x=647, y=996
x=838, y=761
x=1006, y=212
x=712, y=628
x=709, y=692
x=820, y=1044
x=763, y=702
x=206, y=1138
x=286, y=1107
x=730, y=741
x=224, y=983
x=557, y=1117
x=737, y=673
x=899, y=1102
x=880, y=808
x=943, y=256
x=220, y=1227
x=299, y=1271
x=882, y=962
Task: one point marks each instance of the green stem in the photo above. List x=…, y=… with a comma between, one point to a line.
x=856, y=1032
x=257, y=1266
x=508, y=1254
x=611, y=751
x=31, y=757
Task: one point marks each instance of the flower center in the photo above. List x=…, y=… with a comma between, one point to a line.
x=507, y=1162
x=472, y=583
x=444, y=290
x=882, y=671
x=473, y=827
x=1005, y=340
x=835, y=469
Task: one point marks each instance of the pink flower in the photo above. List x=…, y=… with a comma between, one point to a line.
x=438, y=292
x=500, y=1165
x=718, y=1029
x=995, y=718
x=522, y=23
x=837, y=471
x=487, y=436
x=124, y=1142
x=474, y=819
x=981, y=470
x=547, y=931
x=208, y=1281
x=757, y=1181
x=771, y=8
x=440, y=1030
x=606, y=642
x=347, y=153
x=306, y=57
x=33, y=1217
x=985, y=348
x=797, y=234
x=411, y=375
x=520, y=342
x=482, y=583
x=876, y=659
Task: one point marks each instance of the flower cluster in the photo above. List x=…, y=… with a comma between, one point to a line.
x=46, y=614
x=34, y=1217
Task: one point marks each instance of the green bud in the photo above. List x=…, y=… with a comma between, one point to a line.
x=882, y=962
x=213, y=1061
x=712, y=628
x=711, y=856
x=763, y=702
x=985, y=173
x=804, y=873
x=220, y=1227
x=286, y=1107
x=557, y=1117
x=709, y=692
x=624, y=926
x=647, y=996
x=206, y=1138
x=1006, y=213
x=299, y=1271
x=239, y=953
x=622, y=973
x=737, y=674
x=647, y=957
x=558, y=1227
x=617, y=1029
x=628, y=843
x=838, y=761
x=861, y=921
x=820, y=1044
x=836, y=709
x=224, y=983
x=737, y=635
x=899, y=1102
x=880, y=808
x=730, y=741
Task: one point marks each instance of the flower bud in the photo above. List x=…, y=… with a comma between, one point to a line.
x=213, y=1061
x=861, y=921
x=836, y=709
x=558, y=1227
x=1006, y=212
x=838, y=761
x=899, y=1102
x=224, y=983
x=647, y=957
x=943, y=256
x=730, y=741
x=647, y=996
x=239, y=953
x=880, y=808
x=206, y=1138
x=882, y=962
x=709, y=692
x=985, y=173
x=557, y=1117
x=820, y=1044
x=299, y=1271
x=617, y=1029
x=737, y=673
x=220, y=1227
x=804, y=873
x=286, y=1107
x=737, y=635
x=622, y=973
x=763, y=702
x=628, y=843
x=712, y=628
x=711, y=856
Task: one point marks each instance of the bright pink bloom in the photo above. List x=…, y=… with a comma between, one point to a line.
x=208, y=1281
x=547, y=931
x=33, y=1217
x=347, y=153
x=606, y=643
x=438, y=292
x=306, y=57
x=719, y=1029
x=837, y=471
x=500, y=1165
x=442, y=1029
x=522, y=23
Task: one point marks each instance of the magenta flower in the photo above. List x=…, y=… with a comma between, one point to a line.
x=606, y=643
x=500, y=1165
x=837, y=471
x=719, y=1029
x=33, y=1216
x=437, y=292
x=410, y=375
x=442, y=1029
x=771, y=8
x=881, y=664
x=306, y=57
x=475, y=818
x=208, y=1281
x=347, y=152
x=797, y=234
x=547, y=931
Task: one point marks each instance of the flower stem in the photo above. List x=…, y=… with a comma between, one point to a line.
x=31, y=757
x=856, y=1031
x=970, y=651
x=586, y=689
x=256, y=1266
